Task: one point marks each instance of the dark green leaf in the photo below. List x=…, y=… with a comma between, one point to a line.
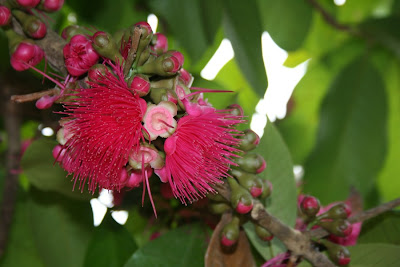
x=374, y=255
x=280, y=172
x=181, y=247
x=287, y=21
x=382, y=229
x=111, y=245
x=61, y=228
x=194, y=24
x=246, y=41
x=351, y=141
x=38, y=166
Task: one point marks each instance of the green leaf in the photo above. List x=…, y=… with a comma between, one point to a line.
x=373, y=255
x=355, y=11
x=61, y=228
x=351, y=141
x=287, y=21
x=246, y=41
x=20, y=239
x=181, y=247
x=280, y=172
x=38, y=166
x=194, y=24
x=111, y=245
x=385, y=31
x=384, y=228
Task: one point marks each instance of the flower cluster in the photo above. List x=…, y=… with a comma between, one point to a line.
x=138, y=114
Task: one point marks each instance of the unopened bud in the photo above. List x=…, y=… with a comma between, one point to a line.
x=136, y=177
x=5, y=15
x=338, y=211
x=310, y=206
x=338, y=254
x=104, y=44
x=71, y=31
x=251, y=162
x=159, y=43
x=241, y=199
x=249, y=140
x=267, y=188
x=45, y=102
x=51, y=5
x=263, y=233
x=25, y=55
x=230, y=233
x=249, y=181
x=96, y=72
x=337, y=227
x=219, y=208
x=140, y=84
x=28, y=3
x=185, y=77
x=236, y=110
x=31, y=25
x=164, y=65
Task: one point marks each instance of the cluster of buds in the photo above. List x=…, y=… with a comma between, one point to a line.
x=334, y=219
x=24, y=52
x=245, y=186
x=139, y=115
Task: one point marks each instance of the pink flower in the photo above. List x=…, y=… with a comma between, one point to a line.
x=79, y=55
x=25, y=56
x=199, y=153
x=104, y=128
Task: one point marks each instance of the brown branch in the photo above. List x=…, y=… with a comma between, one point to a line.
x=34, y=96
x=12, y=124
x=331, y=20
x=297, y=242
x=132, y=51
x=362, y=216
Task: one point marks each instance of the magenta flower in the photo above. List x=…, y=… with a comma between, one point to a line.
x=104, y=128
x=199, y=153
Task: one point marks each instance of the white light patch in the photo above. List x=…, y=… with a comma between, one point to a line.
x=99, y=211
x=339, y=2
x=223, y=54
x=153, y=21
x=298, y=172
x=47, y=131
x=281, y=83
x=106, y=198
x=120, y=216
x=72, y=18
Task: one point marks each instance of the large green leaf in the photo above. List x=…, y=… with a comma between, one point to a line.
x=61, y=228
x=382, y=229
x=38, y=166
x=111, y=245
x=181, y=247
x=194, y=24
x=287, y=21
x=374, y=255
x=20, y=240
x=243, y=28
x=351, y=142
x=280, y=172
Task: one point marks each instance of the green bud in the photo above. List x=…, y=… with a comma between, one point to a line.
x=249, y=181
x=216, y=197
x=337, y=227
x=104, y=44
x=338, y=254
x=241, y=199
x=230, y=232
x=338, y=211
x=263, y=233
x=219, y=208
x=249, y=140
x=251, y=162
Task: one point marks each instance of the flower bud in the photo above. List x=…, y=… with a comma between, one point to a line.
x=5, y=15
x=240, y=197
x=96, y=72
x=267, y=188
x=338, y=211
x=104, y=44
x=338, y=254
x=31, y=25
x=159, y=43
x=252, y=162
x=164, y=65
x=337, y=227
x=310, y=206
x=215, y=197
x=249, y=140
x=51, y=5
x=263, y=233
x=25, y=55
x=236, y=110
x=178, y=55
x=79, y=55
x=28, y=3
x=249, y=181
x=58, y=153
x=45, y=102
x=159, y=120
x=71, y=31
x=139, y=84
x=185, y=77
x=230, y=233
x=145, y=29
x=219, y=208
x=136, y=177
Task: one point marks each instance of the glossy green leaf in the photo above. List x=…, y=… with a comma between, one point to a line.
x=61, y=227
x=374, y=255
x=351, y=141
x=246, y=41
x=290, y=32
x=20, y=240
x=38, y=166
x=111, y=245
x=194, y=24
x=280, y=172
x=382, y=229
x=181, y=247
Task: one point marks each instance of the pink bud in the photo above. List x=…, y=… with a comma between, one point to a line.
x=227, y=242
x=58, y=153
x=262, y=167
x=28, y=3
x=242, y=208
x=343, y=260
x=40, y=31
x=161, y=44
x=310, y=202
x=178, y=55
x=185, y=77
x=236, y=109
x=141, y=85
x=26, y=54
x=52, y=5
x=146, y=26
x=45, y=101
x=5, y=15
x=136, y=177
x=256, y=191
x=171, y=64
